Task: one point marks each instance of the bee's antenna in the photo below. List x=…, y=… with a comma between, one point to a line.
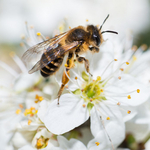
x=109, y=31
x=104, y=22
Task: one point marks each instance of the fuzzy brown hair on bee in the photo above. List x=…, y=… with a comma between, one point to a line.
x=72, y=43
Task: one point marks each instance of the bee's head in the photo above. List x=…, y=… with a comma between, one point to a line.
x=96, y=34
x=95, y=37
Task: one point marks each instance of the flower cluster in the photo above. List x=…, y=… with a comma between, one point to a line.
x=96, y=112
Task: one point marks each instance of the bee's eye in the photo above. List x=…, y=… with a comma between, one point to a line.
x=96, y=39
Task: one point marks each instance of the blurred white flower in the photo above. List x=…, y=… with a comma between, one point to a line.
x=125, y=15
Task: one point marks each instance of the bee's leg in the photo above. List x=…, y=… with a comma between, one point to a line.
x=65, y=80
x=69, y=64
x=94, y=49
x=86, y=62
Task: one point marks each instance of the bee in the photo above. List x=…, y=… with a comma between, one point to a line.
x=72, y=43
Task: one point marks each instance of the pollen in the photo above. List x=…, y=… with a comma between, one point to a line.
x=82, y=90
x=76, y=78
x=84, y=105
x=38, y=33
x=144, y=47
x=138, y=90
x=121, y=69
x=108, y=118
x=66, y=65
x=118, y=104
x=69, y=27
x=128, y=111
x=38, y=98
x=115, y=59
x=21, y=44
x=134, y=48
x=87, y=20
x=29, y=122
x=102, y=90
x=134, y=58
x=119, y=77
x=98, y=78
x=91, y=100
x=66, y=86
x=127, y=63
x=97, y=143
x=129, y=97
x=21, y=106
x=39, y=144
x=18, y=111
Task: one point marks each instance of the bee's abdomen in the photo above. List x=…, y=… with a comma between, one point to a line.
x=52, y=66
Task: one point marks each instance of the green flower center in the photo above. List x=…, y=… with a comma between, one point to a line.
x=92, y=90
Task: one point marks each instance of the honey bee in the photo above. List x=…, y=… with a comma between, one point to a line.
x=72, y=43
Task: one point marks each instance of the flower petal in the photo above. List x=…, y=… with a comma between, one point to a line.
x=67, y=115
x=72, y=144
x=114, y=127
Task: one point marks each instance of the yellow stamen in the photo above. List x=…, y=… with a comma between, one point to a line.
x=102, y=90
x=91, y=100
x=29, y=122
x=82, y=90
x=87, y=20
x=138, y=90
x=32, y=108
x=129, y=97
x=127, y=63
x=121, y=69
x=27, y=111
x=134, y=58
x=38, y=33
x=144, y=47
x=128, y=111
x=39, y=144
x=98, y=78
x=115, y=59
x=134, y=48
x=76, y=78
x=69, y=27
x=118, y=103
x=21, y=44
x=39, y=98
x=119, y=78
x=31, y=27
x=21, y=106
x=18, y=111
x=31, y=115
x=108, y=118
x=36, y=111
x=66, y=65
x=84, y=105
x=97, y=143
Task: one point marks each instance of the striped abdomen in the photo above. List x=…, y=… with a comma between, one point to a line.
x=52, y=66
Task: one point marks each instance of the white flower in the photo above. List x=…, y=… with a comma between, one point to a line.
x=105, y=92
x=73, y=144
x=43, y=139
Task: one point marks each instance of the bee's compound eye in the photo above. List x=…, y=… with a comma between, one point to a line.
x=96, y=39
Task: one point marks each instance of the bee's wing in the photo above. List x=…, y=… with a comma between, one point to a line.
x=36, y=51
x=53, y=54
